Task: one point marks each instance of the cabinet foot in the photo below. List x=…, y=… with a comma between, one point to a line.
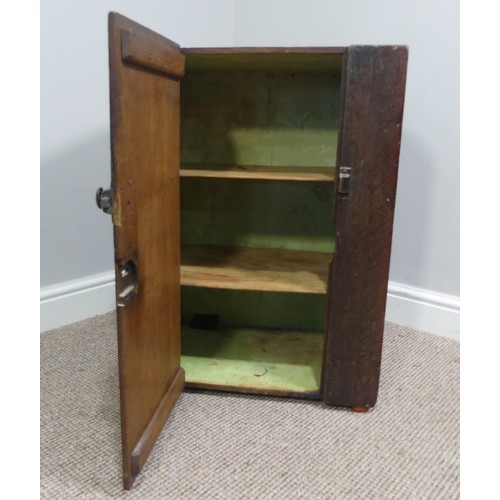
x=360, y=409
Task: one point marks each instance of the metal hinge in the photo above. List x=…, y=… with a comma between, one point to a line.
x=344, y=181
x=104, y=200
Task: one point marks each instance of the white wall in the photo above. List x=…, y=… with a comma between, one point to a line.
x=426, y=233
x=76, y=239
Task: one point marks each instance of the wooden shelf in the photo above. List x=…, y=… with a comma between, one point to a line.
x=308, y=174
x=253, y=360
x=270, y=270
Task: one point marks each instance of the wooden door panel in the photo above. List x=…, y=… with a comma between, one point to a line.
x=373, y=95
x=144, y=92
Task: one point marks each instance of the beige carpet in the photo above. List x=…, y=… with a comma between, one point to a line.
x=229, y=446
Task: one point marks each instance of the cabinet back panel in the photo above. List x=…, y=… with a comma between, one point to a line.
x=289, y=59
x=286, y=311
x=260, y=118
x=260, y=214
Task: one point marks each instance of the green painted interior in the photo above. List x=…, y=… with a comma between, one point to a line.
x=257, y=213
x=274, y=62
x=260, y=118
x=286, y=311
x=253, y=359
x=272, y=111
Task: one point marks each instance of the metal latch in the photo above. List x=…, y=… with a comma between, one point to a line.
x=104, y=200
x=127, y=282
x=344, y=181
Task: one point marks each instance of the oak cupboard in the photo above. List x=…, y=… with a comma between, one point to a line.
x=252, y=201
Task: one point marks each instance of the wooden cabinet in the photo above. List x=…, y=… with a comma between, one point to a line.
x=252, y=201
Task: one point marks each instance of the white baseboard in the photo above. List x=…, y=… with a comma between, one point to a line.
x=409, y=306
x=424, y=310
x=73, y=301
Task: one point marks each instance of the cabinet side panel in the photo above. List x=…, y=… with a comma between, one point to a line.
x=374, y=86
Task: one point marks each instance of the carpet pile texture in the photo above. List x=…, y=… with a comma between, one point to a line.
x=229, y=446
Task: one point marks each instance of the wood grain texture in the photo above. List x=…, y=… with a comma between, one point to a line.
x=271, y=270
x=155, y=53
x=369, y=143
x=270, y=173
x=145, y=186
x=148, y=439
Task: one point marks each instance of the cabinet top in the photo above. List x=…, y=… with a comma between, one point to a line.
x=309, y=59
x=264, y=50
x=316, y=59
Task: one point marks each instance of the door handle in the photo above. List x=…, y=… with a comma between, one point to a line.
x=104, y=200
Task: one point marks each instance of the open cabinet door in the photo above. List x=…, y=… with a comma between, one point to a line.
x=144, y=78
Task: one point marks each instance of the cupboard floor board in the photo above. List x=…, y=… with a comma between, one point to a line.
x=271, y=361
